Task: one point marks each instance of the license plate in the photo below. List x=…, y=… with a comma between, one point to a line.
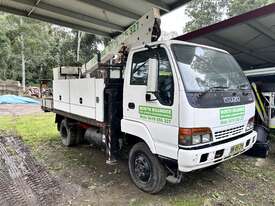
x=236, y=149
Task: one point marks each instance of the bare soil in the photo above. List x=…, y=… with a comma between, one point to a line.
x=51, y=174
x=19, y=109
x=22, y=180
x=79, y=176
x=240, y=181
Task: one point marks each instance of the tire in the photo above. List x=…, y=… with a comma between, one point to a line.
x=263, y=152
x=145, y=169
x=68, y=134
x=58, y=126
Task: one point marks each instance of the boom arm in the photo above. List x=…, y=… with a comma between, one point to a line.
x=143, y=31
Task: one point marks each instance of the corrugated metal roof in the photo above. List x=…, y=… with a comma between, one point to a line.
x=102, y=17
x=249, y=37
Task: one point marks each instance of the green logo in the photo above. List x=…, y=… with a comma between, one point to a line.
x=232, y=115
x=155, y=114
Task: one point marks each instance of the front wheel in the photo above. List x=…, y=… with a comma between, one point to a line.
x=145, y=169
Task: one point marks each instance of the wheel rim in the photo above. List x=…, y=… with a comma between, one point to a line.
x=142, y=168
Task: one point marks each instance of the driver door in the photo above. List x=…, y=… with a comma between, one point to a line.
x=160, y=114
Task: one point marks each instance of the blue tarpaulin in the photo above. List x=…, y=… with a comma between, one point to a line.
x=12, y=99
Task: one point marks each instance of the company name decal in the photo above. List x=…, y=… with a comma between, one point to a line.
x=155, y=114
x=232, y=115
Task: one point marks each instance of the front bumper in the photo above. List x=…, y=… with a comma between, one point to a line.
x=194, y=159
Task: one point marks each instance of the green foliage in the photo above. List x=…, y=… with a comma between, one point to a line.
x=203, y=13
x=236, y=7
x=88, y=46
x=206, y=12
x=45, y=46
x=5, y=49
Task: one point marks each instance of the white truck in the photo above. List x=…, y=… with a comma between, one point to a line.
x=176, y=106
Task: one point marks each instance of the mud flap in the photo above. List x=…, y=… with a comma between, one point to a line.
x=262, y=146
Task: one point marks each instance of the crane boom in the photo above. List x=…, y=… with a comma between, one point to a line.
x=143, y=31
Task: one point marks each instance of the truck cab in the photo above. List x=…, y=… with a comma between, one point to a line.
x=190, y=104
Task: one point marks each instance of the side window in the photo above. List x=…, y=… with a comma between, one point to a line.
x=165, y=79
x=140, y=66
x=139, y=73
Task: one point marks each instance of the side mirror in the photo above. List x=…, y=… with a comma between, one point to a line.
x=152, y=81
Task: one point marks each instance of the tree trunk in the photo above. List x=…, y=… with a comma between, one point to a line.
x=23, y=58
x=5, y=73
x=78, y=45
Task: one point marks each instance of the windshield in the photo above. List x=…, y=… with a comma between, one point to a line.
x=204, y=69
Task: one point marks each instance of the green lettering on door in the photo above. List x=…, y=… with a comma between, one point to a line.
x=156, y=114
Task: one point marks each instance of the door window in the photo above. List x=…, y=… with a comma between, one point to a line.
x=165, y=79
x=140, y=64
x=139, y=73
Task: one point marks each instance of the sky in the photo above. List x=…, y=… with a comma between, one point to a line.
x=174, y=21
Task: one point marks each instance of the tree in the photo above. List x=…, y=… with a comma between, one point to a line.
x=207, y=12
x=29, y=42
x=5, y=53
x=44, y=47
x=204, y=13
x=23, y=63
x=237, y=7
x=89, y=46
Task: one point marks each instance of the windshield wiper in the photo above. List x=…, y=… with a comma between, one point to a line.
x=243, y=86
x=218, y=88
x=213, y=89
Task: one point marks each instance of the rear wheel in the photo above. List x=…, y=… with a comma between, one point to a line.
x=145, y=169
x=68, y=133
x=58, y=126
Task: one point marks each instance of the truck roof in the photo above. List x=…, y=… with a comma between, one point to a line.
x=169, y=42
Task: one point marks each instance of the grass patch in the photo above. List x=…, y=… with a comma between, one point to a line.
x=188, y=201
x=34, y=129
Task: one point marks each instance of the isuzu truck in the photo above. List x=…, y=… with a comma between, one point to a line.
x=174, y=106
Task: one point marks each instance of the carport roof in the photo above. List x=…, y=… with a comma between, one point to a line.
x=101, y=17
x=249, y=37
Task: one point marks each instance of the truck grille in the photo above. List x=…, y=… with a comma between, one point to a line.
x=229, y=132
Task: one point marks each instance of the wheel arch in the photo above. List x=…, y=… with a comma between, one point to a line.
x=138, y=130
x=58, y=118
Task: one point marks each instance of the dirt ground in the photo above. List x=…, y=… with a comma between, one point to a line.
x=240, y=181
x=19, y=109
x=22, y=180
x=79, y=176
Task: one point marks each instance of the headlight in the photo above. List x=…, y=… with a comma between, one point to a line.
x=196, y=139
x=194, y=136
x=206, y=138
x=250, y=124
